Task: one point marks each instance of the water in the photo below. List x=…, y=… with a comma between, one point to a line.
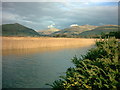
x=34, y=68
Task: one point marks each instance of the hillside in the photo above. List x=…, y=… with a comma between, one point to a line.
x=48, y=31
x=80, y=31
x=99, y=30
x=17, y=30
x=75, y=30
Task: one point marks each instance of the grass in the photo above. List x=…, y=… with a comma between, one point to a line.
x=40, y=42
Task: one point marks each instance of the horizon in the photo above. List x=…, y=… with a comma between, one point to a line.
x=58, y=28
x=60, y=15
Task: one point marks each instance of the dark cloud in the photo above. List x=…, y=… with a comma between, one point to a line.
x=40, y=15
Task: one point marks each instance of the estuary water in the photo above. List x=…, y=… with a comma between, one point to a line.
x=33, y=68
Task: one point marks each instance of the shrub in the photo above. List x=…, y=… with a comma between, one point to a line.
x=98, y=69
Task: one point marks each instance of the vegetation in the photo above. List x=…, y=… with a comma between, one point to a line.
x=40, y=42
x=98, y=69
x=111, y=34
x=18, y=30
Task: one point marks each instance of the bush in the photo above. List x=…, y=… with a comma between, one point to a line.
x=111, y=34
x=98, y=69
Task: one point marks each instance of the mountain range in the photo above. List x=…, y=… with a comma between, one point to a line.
x=17, y=29
x=75, y=30
x=100, y=30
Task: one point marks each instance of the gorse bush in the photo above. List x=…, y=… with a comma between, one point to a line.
x=98, y=69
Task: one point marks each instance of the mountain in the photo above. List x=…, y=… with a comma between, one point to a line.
x=75, y=30
x=80, y=31
x=99, y=30
x=48, y=31
x=17, y=29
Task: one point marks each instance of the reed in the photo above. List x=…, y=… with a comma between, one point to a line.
x=38, y=42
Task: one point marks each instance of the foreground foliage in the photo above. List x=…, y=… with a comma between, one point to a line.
x=99, y=68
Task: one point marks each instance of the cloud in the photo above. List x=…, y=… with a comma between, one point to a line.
x=41, y=15
x=9, y=17
x=73, y=25
x=51, y=26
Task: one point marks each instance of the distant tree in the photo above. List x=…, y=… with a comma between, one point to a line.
x=111, y=34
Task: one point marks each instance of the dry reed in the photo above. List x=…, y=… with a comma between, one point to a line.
x=38, y=42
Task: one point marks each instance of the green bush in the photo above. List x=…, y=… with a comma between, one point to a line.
x=111, y=34
x=98, y=69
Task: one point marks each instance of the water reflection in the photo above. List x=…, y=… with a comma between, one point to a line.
x=33, y=68
x=20, y=52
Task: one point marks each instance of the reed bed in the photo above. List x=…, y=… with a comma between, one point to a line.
x=38, y=42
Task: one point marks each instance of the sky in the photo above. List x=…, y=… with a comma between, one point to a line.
x=43, y=15
x=60, y=0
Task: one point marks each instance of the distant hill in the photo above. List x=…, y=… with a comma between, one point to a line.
x=75, y=30
x=17, y=30
x=48, y=31
x=99, y=30
x=80, y=31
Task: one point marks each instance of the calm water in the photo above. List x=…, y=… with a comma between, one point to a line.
x=35, y=68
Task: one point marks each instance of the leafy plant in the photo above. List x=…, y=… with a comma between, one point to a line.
x=98, y=69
